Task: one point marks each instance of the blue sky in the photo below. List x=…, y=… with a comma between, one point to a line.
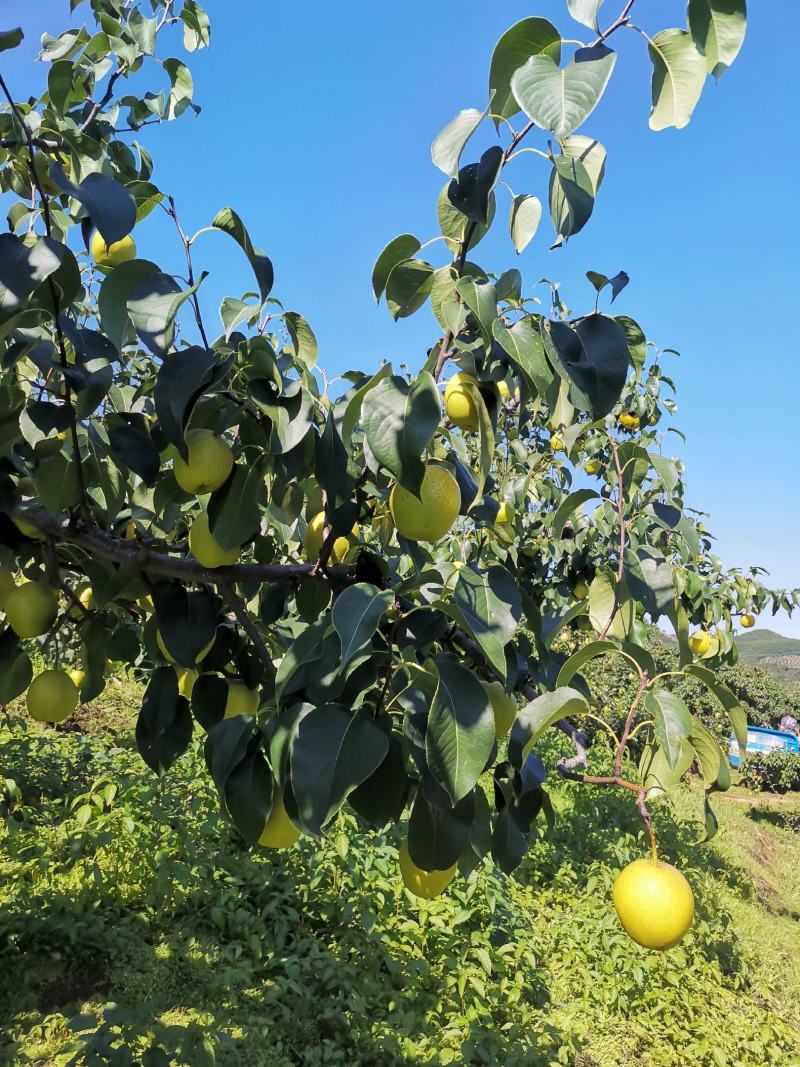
x=316, y=127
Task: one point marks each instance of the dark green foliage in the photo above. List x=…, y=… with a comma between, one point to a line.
x=776, y=772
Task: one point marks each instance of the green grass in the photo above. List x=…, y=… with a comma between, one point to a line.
x=141, y=897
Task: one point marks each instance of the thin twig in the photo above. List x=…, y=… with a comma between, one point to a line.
x=96, y=108
x=237, y=606
x=622, y=537
x=172, y=212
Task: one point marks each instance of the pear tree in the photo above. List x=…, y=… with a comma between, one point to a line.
x=356, y=597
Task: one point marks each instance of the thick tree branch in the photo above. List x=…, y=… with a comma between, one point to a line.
x=159, y=564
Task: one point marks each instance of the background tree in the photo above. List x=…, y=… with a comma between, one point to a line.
x=349, y=593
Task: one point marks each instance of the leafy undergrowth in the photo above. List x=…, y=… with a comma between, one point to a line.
x=131, y=918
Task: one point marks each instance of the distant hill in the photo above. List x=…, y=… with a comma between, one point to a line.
x=778, y=655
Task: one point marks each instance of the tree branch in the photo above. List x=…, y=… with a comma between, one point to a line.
x=173, y=214
x=622, y=537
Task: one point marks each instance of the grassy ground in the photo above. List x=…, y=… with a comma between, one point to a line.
x=130, y=919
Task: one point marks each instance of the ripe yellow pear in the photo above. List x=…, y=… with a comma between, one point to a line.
x=206, y=549
x=503, y=390
x=428, y=518
x=654, y=903
x=279, y=831
x=315, y=535
x=170, y=659
x=31, y=609
x=557, y=443
x=109, y=256
x=86, y=597
x=52, y=696
x=421, y=883
x=592, y=466
x=459, y=402
x=7, y=586
x=241, y=700
x=747, y=620
x=504, y=707
x=629, y=421
x=581, y=590
x=209, y=465
x=700, y=642
x=77, y=676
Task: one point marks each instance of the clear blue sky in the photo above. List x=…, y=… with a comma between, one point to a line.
x=316, y=127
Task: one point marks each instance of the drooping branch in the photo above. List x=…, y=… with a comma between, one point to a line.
x=238, y=608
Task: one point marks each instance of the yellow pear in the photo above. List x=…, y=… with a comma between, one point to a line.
x=700, y=642
x=629, y=421
x=240, y=700
x=428, y=518
x=109, y=256
x=31, y=609
x=206, y=549
x=747, y=620
x=315, y=536
x=426, y=884
x=279, y=831
x=654, y=903
x=52, y=696
x=209, y=465
x=459, y=402
x=86, y=598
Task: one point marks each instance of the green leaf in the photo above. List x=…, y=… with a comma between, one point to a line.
x=527, y=38
x=572, y=193
x=234, y=514
x=248, y=792
x=591, y=154
x=649, y=579
x=710, y=822
x=164, y=726
x=523, y=344
x=450, y=142
x=579, y=659
x=438, y=835
x=399, y=421
x=113, y=298
x=23, y=268
x=227, y=745
x=679, y=72
x=187, y=620
x=523, y=222
x=132, y=446
x=593, y=358
x=110, y=205
x=471, y=192
x=538, y=716
x=637, y=342
x=57, y=483
x=727, y=699
x=568, y=505
x=460, y=731
x=356, y=614
x=672, y=722
x=333, y=751
x=454, y=225
x=182, y=379
x=153, y=305
x=11, y=39
x=381, y=798
x=585, y=12
x=408, y=287
x=332, y=465
x=601, y=599
x=304, y=650
x=657, y=775
x=229, y=222
x=197, y=27
x=487, y=604
x=397, y=251
x=304, y=342
x=718, y=28
x=481, y=299
x=353, y=410
x=181, y=89
x=713, y=761
x=560, y=99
